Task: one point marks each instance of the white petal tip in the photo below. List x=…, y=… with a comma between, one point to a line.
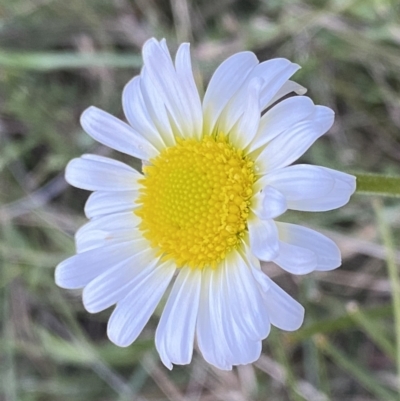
x=265, y=255
x=301, y=90
x=332, y=265
x=118, y=339
x=62, y=276
x=71, y=172
x=300, y=321
x=87, y=115
x=88, y=304
x=167, y=363
x=295, y=324
x=58, y=277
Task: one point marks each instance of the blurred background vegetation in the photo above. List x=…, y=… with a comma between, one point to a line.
x=57, y=58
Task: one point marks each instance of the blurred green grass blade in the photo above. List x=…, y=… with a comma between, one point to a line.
x=337, y=324
x=82, y=354
x=377, y=184
x=136, y=382
x=280, y=355
x=120, y=357
x=387, y=238
x=365, y=378
x=46, y=61
x=373, y=330
x=65, y=351
x=8, y=381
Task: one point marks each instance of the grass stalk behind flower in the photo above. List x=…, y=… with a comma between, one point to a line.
x=393, y=273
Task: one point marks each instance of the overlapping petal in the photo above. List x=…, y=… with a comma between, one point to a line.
x=269, y=203
x=182, y=106
x=139, y=115
x=281, y=118
x=114, y=133
x=326, y=251
x=288, y=146
x=117, y=282
x=274, y=73
x=295, y=259
x=225, y=82
x=231, y=308
x=283, y=311
x=135, y=309
x=184, y=73
x=101, y=203
x=107, y=230
x=79, y=270
x=343, y=187
x=240, y=119
x=156, y=109
x=287, y=88
x=263, y=236
x=301, y=181
x=175, y=332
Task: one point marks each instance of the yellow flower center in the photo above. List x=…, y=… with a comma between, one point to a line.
x=195, y=200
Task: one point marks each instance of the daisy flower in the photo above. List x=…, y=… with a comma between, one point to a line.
x=216, y=174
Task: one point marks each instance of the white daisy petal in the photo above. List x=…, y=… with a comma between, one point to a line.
x=295, y=259
x=241, y=119
x=327, y=252
x=231, y=321
x=138, y=115
x=343, y=187
x=175, y=332
x=301, y=181
x=184, y=72
x=96, y=173
x=283, y=311
x=275, y=73
x=260, y=277
x=263, y=237
x=95, y=239
x=113, y=225
x=112, y=132
x=225, y=82
x=209, y=327
x=79, y=270
x=243, y=349
x=280, y=118
x=291, y=144
x=286, y=88
x=323, y=117
x=134, y=311
x=245, y=300
x=269, y=203
x=114, y=284
x=101, y=203
x=163, y=75
x=156, y=108
x=100, y=238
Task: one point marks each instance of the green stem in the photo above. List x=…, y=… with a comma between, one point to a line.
x=387, y=239
x=377, y=184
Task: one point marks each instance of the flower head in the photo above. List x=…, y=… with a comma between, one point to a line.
x=216, y=173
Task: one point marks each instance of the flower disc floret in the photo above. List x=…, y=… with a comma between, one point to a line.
x=195, y=200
